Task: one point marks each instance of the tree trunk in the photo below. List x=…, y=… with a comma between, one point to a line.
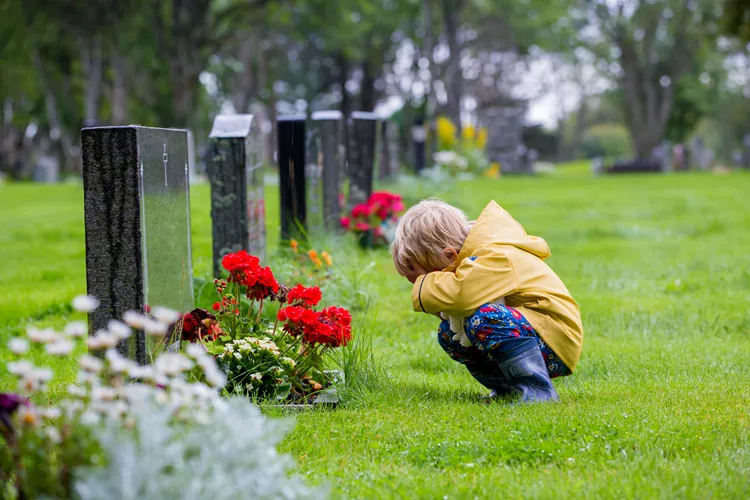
x=91, y=56
x=429, y=53
x=119, y=92
x=454, y=73
x=346, y=106
x=368, y=96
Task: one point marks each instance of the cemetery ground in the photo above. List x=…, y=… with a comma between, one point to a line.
x=658, y=407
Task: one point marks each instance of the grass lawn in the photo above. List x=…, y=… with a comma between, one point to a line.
x=658, y=408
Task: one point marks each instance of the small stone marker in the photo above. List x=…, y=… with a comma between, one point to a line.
x=237, y=201
x=290, y=133
x=362, y=159
x=324, y=172
x=137, y=217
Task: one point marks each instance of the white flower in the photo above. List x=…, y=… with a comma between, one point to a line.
x=119, y=329
x=135, y=319
x=214, y=376
x=289, y=361
x=18, y=346
x=50, y=413
x=164, y=315
x=117, y=362
x=91, y=364
x=20, y=368
x=103, y=394
x=257, y=376
x=85, y=303
x=171, y=364
x=238, y=355
x=89, y=418
x=101, y=340
x=76, y=391
x=53, y=435
x=39, y=336
x=154, y=328
x=41, y=375
x=76, y=329
x=62, y=347
x=195, y=351
x=141, y=372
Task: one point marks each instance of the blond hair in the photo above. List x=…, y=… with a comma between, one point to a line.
x=425, y=231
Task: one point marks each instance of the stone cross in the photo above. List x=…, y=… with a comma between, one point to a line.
x=137, y=217
x=290, y=133
x=237, y=200
x=324, y=173
x=362, y=158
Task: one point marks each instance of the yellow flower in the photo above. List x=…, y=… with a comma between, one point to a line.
x=446, y=131
x=294, y=245
x=468, y=133
x=482, y=138
x=327, y=258
x=317, y=262
x=493, y=172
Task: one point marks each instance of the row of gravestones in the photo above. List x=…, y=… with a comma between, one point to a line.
x=137, y=200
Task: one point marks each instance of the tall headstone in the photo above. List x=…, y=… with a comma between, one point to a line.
x=237, y=201
x=290, y=132
x=389, y=161
x=504, y=143
x=362, y=158
x=137, y=216
x=324, y=173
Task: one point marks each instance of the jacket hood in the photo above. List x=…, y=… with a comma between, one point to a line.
x=495, y=226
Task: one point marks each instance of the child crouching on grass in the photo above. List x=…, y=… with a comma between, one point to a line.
x=523, y=325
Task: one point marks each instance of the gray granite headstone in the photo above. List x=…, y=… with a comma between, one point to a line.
x=389, y=151
x=137, y=218
x=47, y=169
x=237, y=200
x=324, y=171
x=362, y=158
x=290, y=134
x=504, y=142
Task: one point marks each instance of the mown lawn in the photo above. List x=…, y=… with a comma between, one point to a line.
x=659, y=407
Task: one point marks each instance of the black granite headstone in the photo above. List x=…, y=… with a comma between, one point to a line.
x=237, y=201
x=362, y=158
x=290, y=131
x=137, y=217
x=325, y=170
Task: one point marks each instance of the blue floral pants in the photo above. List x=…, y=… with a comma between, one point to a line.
x=487, y=328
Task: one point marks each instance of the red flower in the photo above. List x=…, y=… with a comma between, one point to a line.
x=333, y=328
x=239, y=264
x=260, y=283
x=304, y=297
x=398, y=206
x=200, y=324
x=298, y=319
x=362, y=226
x=216, y=306
x=361, y=210
x=345, y=222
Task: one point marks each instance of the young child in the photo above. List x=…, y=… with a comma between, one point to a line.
x=523, y=326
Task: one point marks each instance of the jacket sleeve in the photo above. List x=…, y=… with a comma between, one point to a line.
x=485, y=277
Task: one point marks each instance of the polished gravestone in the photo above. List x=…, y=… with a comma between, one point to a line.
x=324, y=172
x=362, y=158
x=290, y=132
x=137, y=217
x=237, y=200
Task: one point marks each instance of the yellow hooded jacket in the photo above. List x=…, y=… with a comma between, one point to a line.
x=499, y=260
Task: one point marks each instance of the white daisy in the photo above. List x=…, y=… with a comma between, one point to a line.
x=119, y=329
x=18, y=346
x=164, y=315
x=76, y=329
x=85, y=303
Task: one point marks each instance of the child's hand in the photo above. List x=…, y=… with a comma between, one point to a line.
x=415, y=271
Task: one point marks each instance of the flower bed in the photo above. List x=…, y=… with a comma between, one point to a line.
x=374, y=223
x=283, y=360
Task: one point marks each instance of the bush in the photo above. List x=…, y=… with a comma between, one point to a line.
x=606, y=140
